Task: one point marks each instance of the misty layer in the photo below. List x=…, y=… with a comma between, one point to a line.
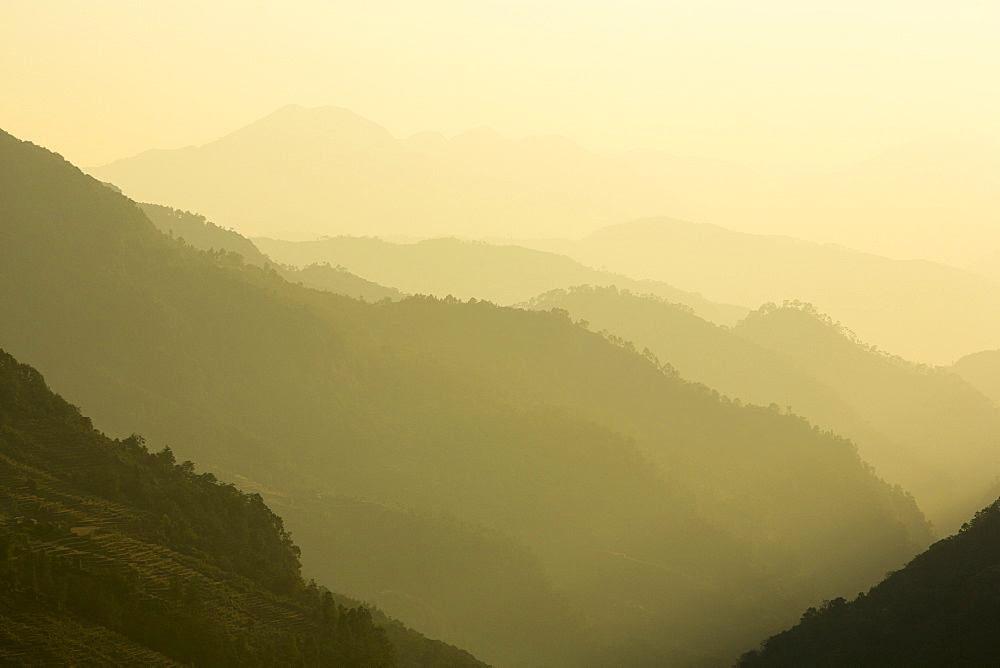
x=638, y=517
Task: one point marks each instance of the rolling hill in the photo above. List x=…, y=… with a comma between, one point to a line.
x=203, y=234
x=899, y=414
x=948, y=430
x=889, y=303
x=470, y=269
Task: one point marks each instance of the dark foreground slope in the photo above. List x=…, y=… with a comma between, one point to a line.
x=111, y=554
x=942, y=609
x=588, y=504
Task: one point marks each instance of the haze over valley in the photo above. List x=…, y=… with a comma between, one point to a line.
x=686, y=354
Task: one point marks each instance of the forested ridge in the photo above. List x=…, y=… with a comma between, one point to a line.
x=203, y=234
x=505, y=274
x=648, y=519
x=898, y=413
x=888, y=302
x=113, y=554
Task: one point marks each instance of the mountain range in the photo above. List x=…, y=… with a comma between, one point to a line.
x=628, y=516
x=303, y=173
x=888, y=303
x=930, y=198
x=324, y=171
x=920, y=427
x=506, y=274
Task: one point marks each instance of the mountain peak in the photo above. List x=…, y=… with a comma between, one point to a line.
x=293, y=121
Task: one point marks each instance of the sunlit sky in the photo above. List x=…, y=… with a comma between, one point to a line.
x=780, y=85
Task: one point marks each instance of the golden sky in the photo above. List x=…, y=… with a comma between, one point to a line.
x=780, y=85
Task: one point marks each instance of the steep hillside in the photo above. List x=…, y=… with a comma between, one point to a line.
x=703, y=352
x=678, y=527
x=457, y=581
x=202, y=233
x=940, y=610
x=899, y=414
x=471, y=269
x=890, y=303
x=113, y=554
x=310, y=172
x=205, y=235
x=323, y=276
x=982, y=371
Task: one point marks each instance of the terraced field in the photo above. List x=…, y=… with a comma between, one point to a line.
x=94, y=534
x=44, y=640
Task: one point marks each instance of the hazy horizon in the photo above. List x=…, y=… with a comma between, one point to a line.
x=341, y=173
x=775, y=87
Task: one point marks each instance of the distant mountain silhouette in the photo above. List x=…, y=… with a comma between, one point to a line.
x=940, y=610
x=646, y=518
x=934, y=199
x=303, y=173
x=472, y=269
x=886, y=302
x=898, y=414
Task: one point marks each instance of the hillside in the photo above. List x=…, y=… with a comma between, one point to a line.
x=201, y=233
x=887, y=302
x=472, y=269
x=921, y=408
x=647, y=519
x=940, y=610
x=205, y=235
x=326, y=170
x=897, y=413
x=982, y=371
x=111, y=553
